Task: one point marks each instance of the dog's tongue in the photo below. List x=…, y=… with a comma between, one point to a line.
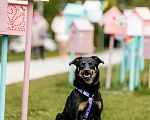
x=86, y=75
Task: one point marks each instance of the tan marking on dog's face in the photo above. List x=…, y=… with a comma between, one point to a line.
x=92, y=77
x=98, y=103
x=94, y=74
x=78, y=69
x=82, y=106
x=80, y=73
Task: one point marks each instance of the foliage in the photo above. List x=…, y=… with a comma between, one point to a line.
x=140, y=3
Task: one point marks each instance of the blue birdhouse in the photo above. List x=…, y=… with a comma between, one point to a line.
x=73, y=11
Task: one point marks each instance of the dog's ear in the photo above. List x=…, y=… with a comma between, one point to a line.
x=98, y=60
x=75, y=61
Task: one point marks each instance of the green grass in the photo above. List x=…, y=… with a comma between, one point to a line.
x=47, y=97
x=12, y=56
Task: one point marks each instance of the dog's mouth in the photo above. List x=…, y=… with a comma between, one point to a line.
x=87, y=76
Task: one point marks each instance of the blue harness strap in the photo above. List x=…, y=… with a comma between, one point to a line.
x=90, y=102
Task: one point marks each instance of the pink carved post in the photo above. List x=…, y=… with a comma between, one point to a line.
x=149, y=75
x=27, y=61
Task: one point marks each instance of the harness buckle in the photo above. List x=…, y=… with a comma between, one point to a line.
x=90, y=101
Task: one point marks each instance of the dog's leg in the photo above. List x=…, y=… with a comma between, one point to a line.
x=60, y=117
x=79, y=115
x=97, y=118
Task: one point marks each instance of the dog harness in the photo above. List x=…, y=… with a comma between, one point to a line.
x=90, y=102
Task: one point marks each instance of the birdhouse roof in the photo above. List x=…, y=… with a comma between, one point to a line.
x=127, y=12
x=18, y=2
x=142, y=12
x=73, y=9
x=92, y=5
x=83, y=25
x=113, y=11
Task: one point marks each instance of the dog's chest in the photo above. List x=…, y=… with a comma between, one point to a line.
x=96, y=106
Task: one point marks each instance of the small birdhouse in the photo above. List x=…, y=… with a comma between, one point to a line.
x=115, y=22
x=73, y=11
x=3, y=12
x=16, y=18
x=144, y=14
x=138, y=22
x=93, y=10
x=146, y=50
x=81, y=36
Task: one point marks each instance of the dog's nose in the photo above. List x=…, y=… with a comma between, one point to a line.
x=87, y=71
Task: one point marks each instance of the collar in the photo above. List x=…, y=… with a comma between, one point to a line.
x=90, y=99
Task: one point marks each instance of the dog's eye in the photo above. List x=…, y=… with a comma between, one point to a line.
x=91, y=63
x=82, y=64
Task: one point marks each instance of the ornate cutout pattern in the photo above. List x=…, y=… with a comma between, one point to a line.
x=16, y=19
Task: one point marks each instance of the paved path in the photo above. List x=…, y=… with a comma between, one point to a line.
x=50, y=66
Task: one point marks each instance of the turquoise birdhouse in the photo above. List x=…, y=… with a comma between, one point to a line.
x=73, y=11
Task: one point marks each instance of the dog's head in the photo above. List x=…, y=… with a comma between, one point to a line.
x=87, y=67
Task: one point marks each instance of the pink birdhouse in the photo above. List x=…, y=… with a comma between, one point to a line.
x=16, y=18
x=115, y=22
x=144, y=14
x=81, y=36
x=138, y=23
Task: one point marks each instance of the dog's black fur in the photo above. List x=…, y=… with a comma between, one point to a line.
x=86, y=78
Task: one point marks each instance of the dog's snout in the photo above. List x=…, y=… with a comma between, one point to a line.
x=87, y=71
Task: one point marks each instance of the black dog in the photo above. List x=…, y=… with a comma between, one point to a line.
x=78, y=105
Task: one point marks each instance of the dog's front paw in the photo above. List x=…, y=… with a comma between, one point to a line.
x=59, y=117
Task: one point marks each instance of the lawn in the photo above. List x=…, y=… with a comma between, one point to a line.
x=12, y=56
x=48, y=95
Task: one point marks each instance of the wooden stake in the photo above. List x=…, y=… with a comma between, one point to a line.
x=27, y=61
x=111, y=45
x=149, y=75
x=3, y=76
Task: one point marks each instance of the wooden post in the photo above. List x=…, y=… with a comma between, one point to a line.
x=137, y=70
x=102, y=37
x=149, y=75
x=3, y=14
x=111, y=45
x=71, y=73
x=3, y=76
x=117, y=70
x=123, y=70
x=132, y=66
x=27, y=61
